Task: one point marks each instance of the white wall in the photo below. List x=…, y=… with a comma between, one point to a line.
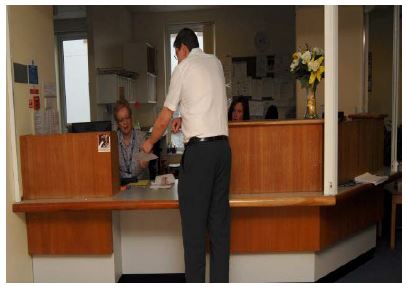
x=31, y=37
x=310, y=30
x=18, y=262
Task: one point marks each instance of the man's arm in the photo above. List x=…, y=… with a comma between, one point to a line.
x=160, y=125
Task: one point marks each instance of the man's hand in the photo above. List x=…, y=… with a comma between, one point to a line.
x=147, y=146
x=160, y=126
x=176, y=125
x=143, y=164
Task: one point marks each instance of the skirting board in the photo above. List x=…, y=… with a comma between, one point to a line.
x=73, y=269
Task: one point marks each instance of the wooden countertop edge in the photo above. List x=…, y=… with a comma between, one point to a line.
x=275, y=122
x=94, y=205
x=367, y=116
x=165, y=204
x=291, y=201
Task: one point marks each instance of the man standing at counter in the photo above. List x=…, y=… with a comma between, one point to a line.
x=198, y=87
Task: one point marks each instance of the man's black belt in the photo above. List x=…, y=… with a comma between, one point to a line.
x=194, y=140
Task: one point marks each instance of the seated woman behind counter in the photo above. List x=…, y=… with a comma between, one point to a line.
x=239, y=110
x=129, y=143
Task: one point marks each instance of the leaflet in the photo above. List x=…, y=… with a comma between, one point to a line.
x=145, y=156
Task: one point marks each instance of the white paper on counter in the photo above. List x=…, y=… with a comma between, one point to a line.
x=163, y=181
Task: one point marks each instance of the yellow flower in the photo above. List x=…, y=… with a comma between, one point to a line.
x=317, y=74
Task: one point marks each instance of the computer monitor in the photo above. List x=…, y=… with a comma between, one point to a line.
x=96, y=126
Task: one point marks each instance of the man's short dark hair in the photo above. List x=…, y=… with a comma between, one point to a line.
x=186, y=37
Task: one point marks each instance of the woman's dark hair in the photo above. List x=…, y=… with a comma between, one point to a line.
x=187, y=37
x=121, y=103
x=245, y=107
x=272, y=112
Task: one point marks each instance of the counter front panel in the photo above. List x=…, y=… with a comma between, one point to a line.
x=276, y=156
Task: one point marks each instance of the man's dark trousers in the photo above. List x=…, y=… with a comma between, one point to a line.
x=204, y=207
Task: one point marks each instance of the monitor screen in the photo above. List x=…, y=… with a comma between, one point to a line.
x=96, y=126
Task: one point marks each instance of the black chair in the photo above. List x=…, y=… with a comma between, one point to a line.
x=272, y=113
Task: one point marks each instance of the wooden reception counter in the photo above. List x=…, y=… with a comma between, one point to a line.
x=276, y=191
x=309, y=213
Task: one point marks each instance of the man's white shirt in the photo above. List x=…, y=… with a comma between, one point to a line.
x=198, y=87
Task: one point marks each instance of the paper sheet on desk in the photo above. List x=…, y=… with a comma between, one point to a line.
x=163, y=181
x=142, y=182
x=145, y=156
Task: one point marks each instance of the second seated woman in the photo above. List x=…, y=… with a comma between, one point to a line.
x=239, y=110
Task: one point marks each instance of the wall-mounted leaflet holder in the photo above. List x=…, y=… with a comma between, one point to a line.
x=33, y=74
x=20, y=73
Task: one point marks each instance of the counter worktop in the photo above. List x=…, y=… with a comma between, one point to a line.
x=137, y=197
x=146, y=198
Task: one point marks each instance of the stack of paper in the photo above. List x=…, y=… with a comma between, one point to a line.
x=370, y=178
x=163, y=181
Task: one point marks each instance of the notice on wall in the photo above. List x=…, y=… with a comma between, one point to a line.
x=39, y=122
x=239, y=70
x=49, y=90
x=261, y=66
x=103, y=143
x=51, y=121
x=46, y=122
x=256, y=108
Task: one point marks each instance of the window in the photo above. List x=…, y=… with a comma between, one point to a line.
x=75, y=102
x=76, y=81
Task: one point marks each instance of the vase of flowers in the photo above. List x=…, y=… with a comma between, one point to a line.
x=308, y=67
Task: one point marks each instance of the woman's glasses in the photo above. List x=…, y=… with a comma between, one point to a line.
x=120, y=121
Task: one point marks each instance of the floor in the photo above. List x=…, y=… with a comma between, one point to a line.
x=384, y=267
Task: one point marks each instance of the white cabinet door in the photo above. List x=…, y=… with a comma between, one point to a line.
x=131, y=91
x=151, y=88
x=140, y=58
x=107, y=89
x=111, y=87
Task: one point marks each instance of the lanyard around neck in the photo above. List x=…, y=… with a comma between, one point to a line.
x=128, y=163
